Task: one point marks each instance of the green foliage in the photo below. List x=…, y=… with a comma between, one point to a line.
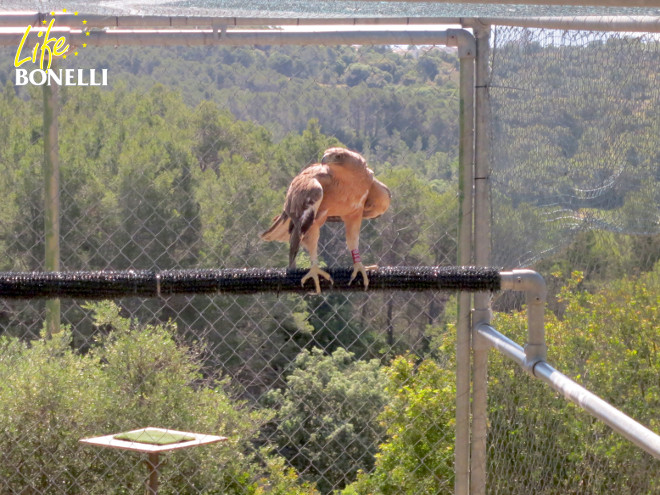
x=353, y=91
x=326, y=416
x=608, y=341
x=21, y=129
x=185, y=173
x=52, y=396
x=418, y=456
x=603, y=256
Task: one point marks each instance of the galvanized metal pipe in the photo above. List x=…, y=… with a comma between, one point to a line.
x=51, y=173
x=502, y=343
x=633, y=24
x=596, y=3
x=467, y=49
x=591, y=403
x=535, y=290
x=482, y=244
x=478, y=443
x=10, y=19
x=243, y=37
x=597, y=407
x=640, y=23
x=482, y=167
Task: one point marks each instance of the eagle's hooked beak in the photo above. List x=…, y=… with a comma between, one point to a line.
x=328, y=158
x=333, y=157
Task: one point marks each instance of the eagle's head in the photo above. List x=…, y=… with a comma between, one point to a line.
x=340, y=156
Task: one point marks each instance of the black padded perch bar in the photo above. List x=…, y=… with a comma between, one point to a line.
x=149, y=283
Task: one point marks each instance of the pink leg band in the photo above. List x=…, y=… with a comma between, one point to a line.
x=356, y=255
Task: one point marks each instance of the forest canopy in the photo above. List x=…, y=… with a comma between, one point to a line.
x=186, y=157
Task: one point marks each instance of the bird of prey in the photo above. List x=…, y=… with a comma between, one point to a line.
x=339, y=189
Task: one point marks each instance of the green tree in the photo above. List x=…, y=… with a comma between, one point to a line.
x=325, y=418
x=418, y=455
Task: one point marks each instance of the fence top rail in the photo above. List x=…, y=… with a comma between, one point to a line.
x=149, y=283
x=630, y=23
x=80, y=20
x=596, y=3
x=199, y=37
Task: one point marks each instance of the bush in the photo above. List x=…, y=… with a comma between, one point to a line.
x=538, y=442
x=326, y=419
x=608, y=341
x=418, y=456
x=137, y=375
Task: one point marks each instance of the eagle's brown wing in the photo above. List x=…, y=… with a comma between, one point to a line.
x=302, y=202
x=378, y=200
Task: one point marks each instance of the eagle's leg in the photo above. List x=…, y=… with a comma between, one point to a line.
x=310, y=241
x=352, y=241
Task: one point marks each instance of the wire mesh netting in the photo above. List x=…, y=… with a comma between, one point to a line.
x=181, y=163
x=321, y=8
x=578, y=113
x=185, y=159
x=576, y=195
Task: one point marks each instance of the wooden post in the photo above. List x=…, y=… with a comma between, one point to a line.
x=51, y=171
x=153, y=464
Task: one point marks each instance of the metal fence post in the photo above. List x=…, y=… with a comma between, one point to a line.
x=482, y=249
x=466, y=179
x=51, y=171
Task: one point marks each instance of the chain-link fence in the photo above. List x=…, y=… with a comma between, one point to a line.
x=182, y=163
x=186, y=158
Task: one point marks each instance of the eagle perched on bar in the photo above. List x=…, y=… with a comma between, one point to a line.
x=339, y=189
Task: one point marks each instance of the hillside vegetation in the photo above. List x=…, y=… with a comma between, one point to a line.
x=187, y=157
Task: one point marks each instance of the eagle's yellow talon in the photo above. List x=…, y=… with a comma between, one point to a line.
x=314, y=273
x=360, y=268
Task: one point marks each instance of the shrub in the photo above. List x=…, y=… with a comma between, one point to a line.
x=418, y=456
x=607, y=341
x=326, y=417
x=137, y=375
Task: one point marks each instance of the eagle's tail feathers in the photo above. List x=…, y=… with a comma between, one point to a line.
x=294, y=245
x=279, y=230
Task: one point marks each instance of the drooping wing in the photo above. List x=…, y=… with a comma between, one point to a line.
x=302, y=202
x=303, y=198
x=304, y=189
x=377, y=202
